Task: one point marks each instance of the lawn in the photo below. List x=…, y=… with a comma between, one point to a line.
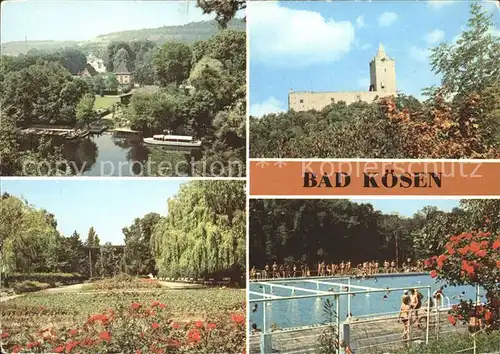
x=140, y=319
x=105, y=102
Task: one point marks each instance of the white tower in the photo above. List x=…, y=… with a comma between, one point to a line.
x=382, y=72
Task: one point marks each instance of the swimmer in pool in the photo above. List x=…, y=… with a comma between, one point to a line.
x=385, y=297
x=255, y=307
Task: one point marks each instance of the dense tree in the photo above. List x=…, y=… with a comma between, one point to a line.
x=111, y=82
x=85, y=110
x=172, y=63
x=312, y=231
x=121, y=56
x=111, y=51
x=42, y=94
x=27, y=238
x=204, y=231
x=224, y=10
x=139, y=258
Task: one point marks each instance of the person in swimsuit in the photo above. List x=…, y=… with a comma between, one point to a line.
x=404, y=315
x=416, y=303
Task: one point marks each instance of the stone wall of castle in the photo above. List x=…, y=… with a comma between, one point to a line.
x=304, y=101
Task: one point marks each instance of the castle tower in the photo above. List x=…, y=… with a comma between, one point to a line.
x=382, y=72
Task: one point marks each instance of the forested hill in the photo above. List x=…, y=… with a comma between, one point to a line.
x=188, y=33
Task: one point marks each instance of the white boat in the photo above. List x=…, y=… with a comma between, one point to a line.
x=173, y=140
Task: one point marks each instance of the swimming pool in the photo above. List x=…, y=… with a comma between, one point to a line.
x=310, y=311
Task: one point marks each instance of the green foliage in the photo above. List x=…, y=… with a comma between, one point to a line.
x=453, y=343
x=139, y=258
x=113, y=49
x=85, y=109
x=44, y=94
x=29, y=286
x=312, y=231
x=224, y=10
x=27, y=238
x=172, y=63
x=111, y=82
x=204, y=231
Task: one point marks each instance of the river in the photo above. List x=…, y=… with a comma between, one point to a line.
x=110, y=155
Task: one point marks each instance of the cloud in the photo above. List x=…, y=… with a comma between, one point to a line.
x=387, y=19
x=435, y=36
x=360, y=22
x=271, y=105
x=280, y=36
x=419, y=54
x=439, y=4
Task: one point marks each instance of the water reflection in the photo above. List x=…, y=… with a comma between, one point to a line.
x=110, y=154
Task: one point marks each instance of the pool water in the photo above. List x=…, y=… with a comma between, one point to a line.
x=310, y=311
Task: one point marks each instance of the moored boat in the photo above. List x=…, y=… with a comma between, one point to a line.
x=173, y=140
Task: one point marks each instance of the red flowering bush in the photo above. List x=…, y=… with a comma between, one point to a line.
x=472, y=258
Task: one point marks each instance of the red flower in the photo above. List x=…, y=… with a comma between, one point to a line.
x=194, y=336
x=174, y=343
x=440, y=260
x=155, y=303
x=428, y=262
x=87, y=341
x=73, y=332
x=59, y=349
x=175, y=325
x=135, y=306
x=105, y=336
x=481, y=253
x=199, y=324
x=474, y=246
x=496, y=244
x=162, y=306
x=433, y=274
x=452, y=320
x=463, y=251
x=71, y=345
x=211, y=326
x=498, y=264
x=237, y=318
x=98, y=317
x=32, y=344
x=137, y=351
x=488, y=315
x=4, y=335
x=155, y=325
x=17, y=348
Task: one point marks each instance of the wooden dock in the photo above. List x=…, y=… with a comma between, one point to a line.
x=367, y=336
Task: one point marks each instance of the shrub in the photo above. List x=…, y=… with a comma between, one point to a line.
x=30, y=286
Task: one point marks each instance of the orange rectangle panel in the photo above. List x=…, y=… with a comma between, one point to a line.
x=376, y=177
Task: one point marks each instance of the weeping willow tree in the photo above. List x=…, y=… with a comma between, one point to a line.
x=28, y=237
x=204, y=231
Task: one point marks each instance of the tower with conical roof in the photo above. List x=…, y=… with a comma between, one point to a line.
x=382, y=72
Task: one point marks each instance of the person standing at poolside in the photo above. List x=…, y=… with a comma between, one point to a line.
x=416, y=303
x=404, y=315
x=275, y=270
x=266, y=271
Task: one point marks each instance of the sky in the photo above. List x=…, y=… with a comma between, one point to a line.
x=84, y=20
x=107, y=205
x=327, y=46
x=408, y=207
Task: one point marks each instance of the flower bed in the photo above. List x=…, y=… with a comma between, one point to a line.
x=203, y=321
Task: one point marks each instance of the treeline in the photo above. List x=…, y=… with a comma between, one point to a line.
x=31, y=243
x=202, y=235
x=460, y=118
x=312, y=231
